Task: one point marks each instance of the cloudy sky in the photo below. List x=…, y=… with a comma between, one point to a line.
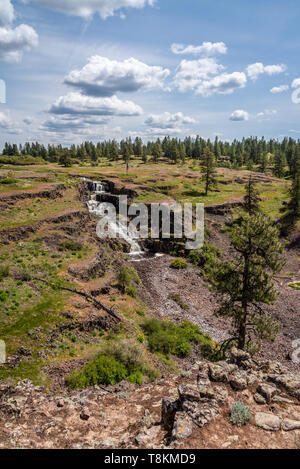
x=99, y=69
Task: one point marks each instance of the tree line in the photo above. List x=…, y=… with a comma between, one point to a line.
x=238, y=153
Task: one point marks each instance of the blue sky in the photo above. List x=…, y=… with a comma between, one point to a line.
x=77, y=70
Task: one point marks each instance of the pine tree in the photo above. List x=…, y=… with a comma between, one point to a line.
x=279, y=164
x=263, y=162
x=294, y=203
x=126, y=155
x=209, y=176
x=246, y=282
x=157, y=151
x=65, y=159
x=252, y=198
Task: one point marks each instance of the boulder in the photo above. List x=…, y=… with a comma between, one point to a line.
x=168, y=412
x=267, y=421
x=221, y=395
x=201, y=413
x=205, y=389
x=288, y=381
x=219, y=372
x=259, y=399
x=239, y=356
x=288, y=425
x=267, y=391
x=183, y=426
x=238, y=380
x=188, y=393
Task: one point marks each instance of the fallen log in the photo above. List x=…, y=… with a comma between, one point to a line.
x=85, y=295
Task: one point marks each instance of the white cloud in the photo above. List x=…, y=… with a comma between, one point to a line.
x=6, y=12
x=239, y=115
x=279, y=89
x=257, y=69
x=267, y=113
x=155, y=132
x=78, y=104
x=87, y=8
x=206, y=48
x=104, y=77
x=226, y=83
x=296, y=83
x=8, y=125
x=63, y=124
x=168, y=120
x=198, y=75
x=191, y=73
x=296, y=93
x=13, y=42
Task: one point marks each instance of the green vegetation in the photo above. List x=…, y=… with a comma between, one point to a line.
x=70, y=245
x=209, y=176
x=179, y=264
x=246, y=282
x=175, y=297
x=240, y=414
x=4, y=272
x=8, y=181
x=205, y=257
x=128, y=279
x=295, y=285
x=118, y=361
x=21, y=160
x=168, y=338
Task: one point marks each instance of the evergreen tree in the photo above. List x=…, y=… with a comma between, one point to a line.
x=279, y=164
x=126, y=155
x=252, y=198
x=263, y=162
x=65, y=159
x=294, y=203
x=209, y=176
x=157, y=151
x=246, y=282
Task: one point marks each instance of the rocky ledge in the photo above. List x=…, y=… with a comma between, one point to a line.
x=200, y=404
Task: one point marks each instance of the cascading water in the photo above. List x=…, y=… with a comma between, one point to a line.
x=96, y=207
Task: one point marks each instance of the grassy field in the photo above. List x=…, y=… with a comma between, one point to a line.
x=27, y=305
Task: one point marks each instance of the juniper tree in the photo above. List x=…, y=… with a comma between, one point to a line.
x=209, y=165
x=252, y=198
x=246, y=282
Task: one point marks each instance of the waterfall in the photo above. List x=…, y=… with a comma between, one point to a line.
x=96, y=207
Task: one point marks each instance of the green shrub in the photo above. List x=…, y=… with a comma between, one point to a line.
x=102, y=370
x=179, y=264
x=8, y=181
x=127, y=277
x=136, y=377
x=168, y=338
x=239, y=414
x=118, y=361
x=204, y=256
x=178, y=300
x=70, y=245
x=131, y=291
x=21, y=160
x=4, y=272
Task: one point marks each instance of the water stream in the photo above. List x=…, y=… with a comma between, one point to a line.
x=96, y=207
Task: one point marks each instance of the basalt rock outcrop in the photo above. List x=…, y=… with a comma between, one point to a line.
x=200, y=404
